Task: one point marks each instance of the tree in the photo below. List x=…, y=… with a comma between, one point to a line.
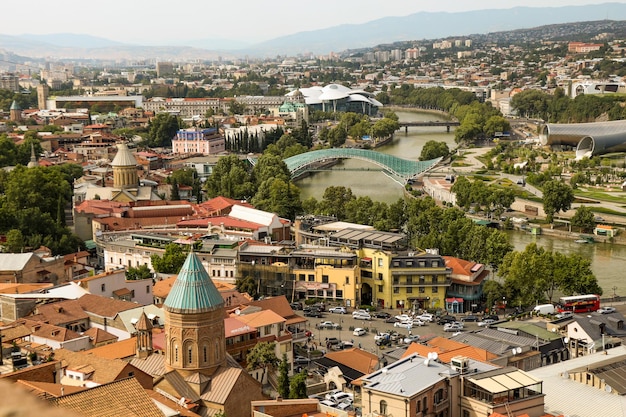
x=334, y=201
x=14, y=241
x=171, y=261
x=583, y=218
x=262, y=355
x=141, y=272
x=248, y=285
x=278, y=196
x=297, y=388
x=493, y=291
x=433, y=149
x=557, y=196
x=283, y=377
x=162, y=129
x=230, y=178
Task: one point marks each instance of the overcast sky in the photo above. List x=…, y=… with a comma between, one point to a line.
x=252, y=21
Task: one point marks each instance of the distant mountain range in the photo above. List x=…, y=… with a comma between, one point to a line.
x=417, y=26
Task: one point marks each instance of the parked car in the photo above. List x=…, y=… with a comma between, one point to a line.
x=301, y=360
x=359, y=331
x=379, y=336
x=493, y=317
x=296, y=306
x=391, y=319
x=411, y=338
x=404, y=317
x=333, y=341
x=383, y=342
x=452, y=327
x=564, y=314
x=338, y=310
x=404, y=324
x=327, y=325
x=606, y=310
x=381, y=315
x=341, y=396
x=446, y=319
x=313, y=313
x=471, y=317
x=362, y=316
x=486, y=322
x=426, y=317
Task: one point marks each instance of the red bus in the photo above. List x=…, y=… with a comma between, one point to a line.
x=579, y=303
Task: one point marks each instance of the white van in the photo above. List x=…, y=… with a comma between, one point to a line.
x=544, y=309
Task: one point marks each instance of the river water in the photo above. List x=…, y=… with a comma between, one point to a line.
x=608, y=260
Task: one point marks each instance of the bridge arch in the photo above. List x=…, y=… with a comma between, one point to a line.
x=401, y=168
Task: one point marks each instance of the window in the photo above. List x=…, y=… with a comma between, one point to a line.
x=102, y=287
x=325, y=279
x=147, y=289
x=425, y=402
x=380, y=262
x=396, y=290
x=422, y=290
x=190, y=356
x=435, y=289
x=380, y=276
x=422, y=279
x=396, y=280
x=311, y=277
x=409, y=290
x=383, y=407
x=132, y=293
x=301, y=277
x=176, y=354
x=380, y=288
x=418, y=406
x=435, y=264
x=339, y=294
x=347, y=280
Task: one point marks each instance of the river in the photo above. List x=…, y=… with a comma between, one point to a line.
x=375, y=184
x=608, y=260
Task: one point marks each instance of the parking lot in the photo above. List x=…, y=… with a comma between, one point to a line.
x=346, y=324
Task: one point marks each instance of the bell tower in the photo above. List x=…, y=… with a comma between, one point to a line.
x=194, y=322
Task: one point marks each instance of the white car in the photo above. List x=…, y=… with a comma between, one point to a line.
x=327, y=325
x=338, y=310
x=411, y=339
x=406, y=324
x=381, y=336
x=418, y=322
x=486, y=322
x=427, y=317
x=359, y=331
x=404, y=317
x=361, y=316
x=452, y=327
x=606, y=310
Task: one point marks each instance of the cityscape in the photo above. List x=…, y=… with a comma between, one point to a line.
x=160, y=254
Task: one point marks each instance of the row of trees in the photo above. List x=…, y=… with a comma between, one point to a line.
x=426, y=224
x=484, y=197
x=356, y=126
x=534, y=275
x=560, y=108
x=478, y=120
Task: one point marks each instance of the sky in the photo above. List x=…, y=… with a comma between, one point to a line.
x=164, y=22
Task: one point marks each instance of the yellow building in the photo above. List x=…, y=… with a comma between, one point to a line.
x=405, y=280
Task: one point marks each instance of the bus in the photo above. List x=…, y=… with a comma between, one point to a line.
x=579, y=303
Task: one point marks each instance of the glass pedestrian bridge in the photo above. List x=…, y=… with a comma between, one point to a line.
x=398, y=167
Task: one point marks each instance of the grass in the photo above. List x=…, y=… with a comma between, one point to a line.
x=599, y=195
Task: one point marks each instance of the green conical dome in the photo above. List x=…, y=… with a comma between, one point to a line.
x=193, y=291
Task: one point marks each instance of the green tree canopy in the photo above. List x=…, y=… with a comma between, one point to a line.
x=583, y=218
x=141, y=272
x=262, y=356
x=230, y=178
x=171, y=261
x=434, y=149
x=162, y=130
x=557, y=196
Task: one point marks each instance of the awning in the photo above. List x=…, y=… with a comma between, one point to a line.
x=90, y=244
x=454, y=300
x=366, y=259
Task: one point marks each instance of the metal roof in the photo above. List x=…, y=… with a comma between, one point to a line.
x=193, y=291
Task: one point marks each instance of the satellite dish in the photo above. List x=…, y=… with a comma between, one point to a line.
x=608, y=388
x=519, y=350
x=565, y=374
x=513, y=351
x=566, y=340
x=435, y=356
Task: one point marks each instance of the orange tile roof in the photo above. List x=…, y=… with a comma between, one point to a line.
x=260, y=319
x=13, y=288
x=355, y=358
x=62, y=312
x=48, y=389
x=120, y=398
x=104, y=306
x=99, y=336
x=118, y=350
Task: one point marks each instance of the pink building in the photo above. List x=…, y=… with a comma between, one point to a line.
x=198, y=141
